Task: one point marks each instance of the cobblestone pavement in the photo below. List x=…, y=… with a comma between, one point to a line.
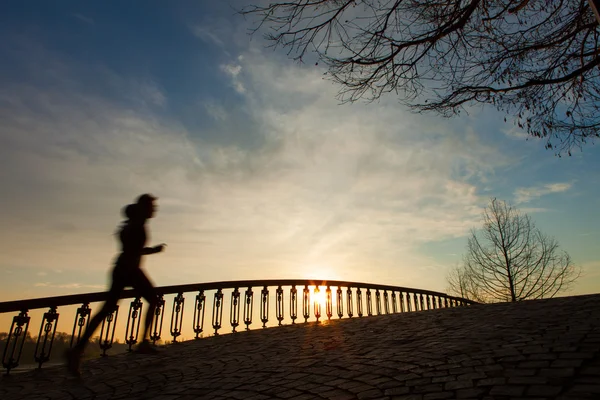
x=547, y=349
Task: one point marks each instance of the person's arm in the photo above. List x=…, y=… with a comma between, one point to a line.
x=153, y=250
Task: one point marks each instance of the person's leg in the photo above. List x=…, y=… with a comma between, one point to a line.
x=143, y=285
x=74, y=355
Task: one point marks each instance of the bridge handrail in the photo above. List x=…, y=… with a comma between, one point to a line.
x=56, y=301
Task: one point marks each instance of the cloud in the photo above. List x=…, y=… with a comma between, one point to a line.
x=207, y=35
x=234, y=70
x=83, y=18
x=352, y=189
x=516, y=133
x=68, y=285
x=524, y=195
x=150, y=93
x=215, y=110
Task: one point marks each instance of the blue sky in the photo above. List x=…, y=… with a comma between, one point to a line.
x=260, y=172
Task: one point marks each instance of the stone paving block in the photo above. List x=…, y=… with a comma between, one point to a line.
x=491, y=381
x=418, y=381
x=519, y=372
x=529, y=380
x=471, y=376
x=463, y=384
x=576, y=356
x=397, y=391
x=470, y=393
x=433, y=387
x=537, y=364
x=581, y=388
x=461, y=370
x=557, y=372
x=304, y=396
x=438, y=396
x=370, y=394
x=288, y=394
x=408, y=397
x=544, y=390
x=507, y=390
x=442, y=379
x=543, y=356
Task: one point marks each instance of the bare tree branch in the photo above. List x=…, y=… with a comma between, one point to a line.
x=536, y=60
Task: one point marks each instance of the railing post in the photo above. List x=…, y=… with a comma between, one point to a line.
x=293, y=304
x=135, y=310
x=394, y=303
x=349, y=307
x=248, y=305
x=157, y=319
x=339, y=302
x=177, y=316
x=306, y=303
x=107, y=337
x=82, y=318
x=369, y=303
x=264, y=306
x=199, y=307
x=378, y=302
x=402, y=302
x=217, y=312
x=234, y=309
x=279, y=304
x=386, y=303
x=328, y=303
x=422, y=301
x=409, y=301
x=49, y=323
x=317, y=303
x=16, y=331
x=428, y=302
x=359, y=304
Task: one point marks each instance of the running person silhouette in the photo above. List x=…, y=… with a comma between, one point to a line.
x=126, y=272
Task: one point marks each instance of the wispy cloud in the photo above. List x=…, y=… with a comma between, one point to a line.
x=524, y=195
x=215, y=110
x=516, y=133
x=234, y=70
x=83, y=18
x=68, y=285
x=207, y=35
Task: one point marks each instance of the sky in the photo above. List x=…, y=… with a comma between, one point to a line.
x=259, y=171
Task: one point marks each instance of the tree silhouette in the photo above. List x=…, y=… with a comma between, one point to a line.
x=535, y=60
x=509, y=259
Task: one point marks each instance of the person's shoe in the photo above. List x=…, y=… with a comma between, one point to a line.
x=146, y=348
x=73, y=357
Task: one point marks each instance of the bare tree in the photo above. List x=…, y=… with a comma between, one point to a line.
x=460, y=284
x=509, y=259
x=535, y=60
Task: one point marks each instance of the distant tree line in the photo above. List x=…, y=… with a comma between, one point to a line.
x=61, y=343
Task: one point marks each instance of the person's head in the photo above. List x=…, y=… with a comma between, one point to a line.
x=146, y=205
x=131, y=212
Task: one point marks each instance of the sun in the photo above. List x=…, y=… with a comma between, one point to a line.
x=319, y=295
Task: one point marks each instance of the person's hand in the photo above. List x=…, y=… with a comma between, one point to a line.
x=160, y=247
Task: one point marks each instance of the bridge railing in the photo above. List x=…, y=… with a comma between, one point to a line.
x=294, y=300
